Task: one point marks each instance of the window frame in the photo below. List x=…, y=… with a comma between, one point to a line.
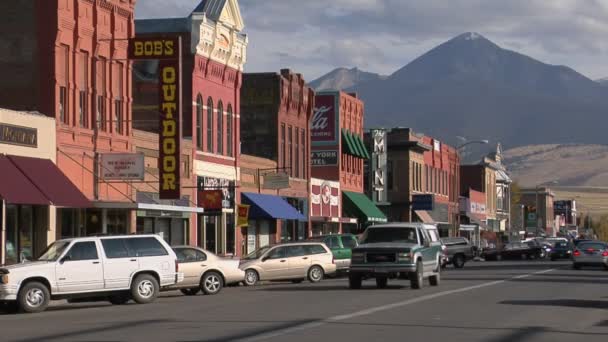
x=220, y=128
x=199, y=122
x=81, y=243
x=210, y=125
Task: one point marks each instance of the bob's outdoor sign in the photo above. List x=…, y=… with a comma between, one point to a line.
x=168, y=51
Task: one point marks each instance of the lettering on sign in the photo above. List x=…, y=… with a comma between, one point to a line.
x=153, y=48
x=323, y=126
x=324, y=158
x=18, y=135
x=168, y=51
x=122, y=166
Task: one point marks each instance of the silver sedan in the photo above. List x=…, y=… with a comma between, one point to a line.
x=205, y=271
x=592, y=253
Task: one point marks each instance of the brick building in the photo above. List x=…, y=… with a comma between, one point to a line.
x=422, y=180
x=214, y=54
x=276, y=111
x=338, y=154
x=539, y=213
x=482, y=178
x=69, y=62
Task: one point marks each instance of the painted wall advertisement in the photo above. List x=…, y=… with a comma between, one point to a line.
x=168, y=51
x=324, y=198
x=324, y=127
x=324, y=158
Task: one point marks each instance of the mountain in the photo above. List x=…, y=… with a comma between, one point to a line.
x=342, y=78
x=471, y=87
x=603, y=81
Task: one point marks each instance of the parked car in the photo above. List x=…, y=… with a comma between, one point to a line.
x=291, y=261
x=592, y=253
x=561, y=250
x=459, y=251
x=389, y=250
x=341, y=246
x=513, y=251
x=578, y=241
x=205, y=271
x=118, y=269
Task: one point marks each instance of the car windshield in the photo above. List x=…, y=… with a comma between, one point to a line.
x=257, y=253
x=598, y=246
x=390, y=234
x=54, y=251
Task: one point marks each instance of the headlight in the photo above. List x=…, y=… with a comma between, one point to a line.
x=4, y=279
x=404, y=257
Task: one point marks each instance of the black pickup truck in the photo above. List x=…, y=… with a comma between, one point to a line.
x=459, y=251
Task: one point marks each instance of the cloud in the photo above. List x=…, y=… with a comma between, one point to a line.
x=315, y=36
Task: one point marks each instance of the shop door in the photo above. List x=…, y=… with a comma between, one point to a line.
x=251, y=238
x=210, y=233
x=264, y=233
x=163, y=229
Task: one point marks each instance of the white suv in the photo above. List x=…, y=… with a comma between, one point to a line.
x=119, y=268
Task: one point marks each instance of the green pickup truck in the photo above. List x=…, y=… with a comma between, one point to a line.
x=396, y=250
x=341, y=246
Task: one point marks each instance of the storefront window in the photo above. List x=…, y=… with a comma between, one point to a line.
x=26, y=233
x=11, y=246
x=117, y=222
x=230, y=234
x=173, y=231
x=21, y=233
x=210, y=229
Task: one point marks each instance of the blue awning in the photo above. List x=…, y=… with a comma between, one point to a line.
x=270, y=207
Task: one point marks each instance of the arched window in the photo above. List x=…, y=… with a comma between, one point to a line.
x=210, y=125
x=199, y=122
x=220, y=128
x=229, y=137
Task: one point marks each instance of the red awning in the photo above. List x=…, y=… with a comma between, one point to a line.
x=15, y=188
x=55, y=186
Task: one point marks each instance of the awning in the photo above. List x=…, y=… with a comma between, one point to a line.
x=359, y=142
x=348, y=143
x=424, y=216
x=271, y=207
x=467, y=227
x=16, y=188
x=359, y=205
x=55, y=186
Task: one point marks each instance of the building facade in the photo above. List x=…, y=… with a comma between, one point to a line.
x=539, y=215
x=423, y=180
x=338, y=154
x=482, y=178
x=72, y=66
x=214, y=53
x=276, y=112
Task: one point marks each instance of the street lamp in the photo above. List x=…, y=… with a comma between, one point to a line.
x=455, y=186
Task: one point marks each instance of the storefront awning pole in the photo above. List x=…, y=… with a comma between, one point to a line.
x=2, y=231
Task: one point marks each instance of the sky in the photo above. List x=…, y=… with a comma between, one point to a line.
x=313, y=37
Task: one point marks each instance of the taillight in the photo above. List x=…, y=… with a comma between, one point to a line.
x=605, y=254
x=333, y=259
x=577, y=253
x=176, y=266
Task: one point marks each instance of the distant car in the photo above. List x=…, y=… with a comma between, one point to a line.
x=578, y=241
x=561, y=250
x=290, y=261
x=459, y=251
x=341, y=246
x=513, y=251
x=592, y=253
x=542, y=245
x=205, y=271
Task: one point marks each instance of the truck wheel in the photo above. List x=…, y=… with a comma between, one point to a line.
x=381, y=282
x=354, y=281
x=459, y=261
x=33, y=297
x=144, y=289
x=417, y=278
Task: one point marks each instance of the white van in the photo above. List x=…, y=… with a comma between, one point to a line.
x=119, y=268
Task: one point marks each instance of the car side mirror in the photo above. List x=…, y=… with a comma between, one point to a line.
x=265, y=258
x=64, y=259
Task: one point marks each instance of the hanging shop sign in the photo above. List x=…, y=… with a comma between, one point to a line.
x=210, y=200
x=242, y=215
x=276, y=181
x=168, y=51
x=225, y=186
x=122, y=166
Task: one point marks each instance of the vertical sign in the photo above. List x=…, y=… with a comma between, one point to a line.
x=324, y=127
x=379, y=166
x=168, y=51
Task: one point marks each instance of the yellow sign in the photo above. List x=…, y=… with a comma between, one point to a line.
x=242, y=215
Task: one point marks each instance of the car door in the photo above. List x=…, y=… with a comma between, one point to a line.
x=192, y=264
x=80, y=269
x=298, y=260
x=348, y=243
x=275, y=264
x=119, y=266
x=427, y=251
x=335, y=246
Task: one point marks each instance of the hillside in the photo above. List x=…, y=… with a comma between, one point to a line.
x=342, y=78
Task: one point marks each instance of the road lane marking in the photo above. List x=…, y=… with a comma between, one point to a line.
x=338, y=318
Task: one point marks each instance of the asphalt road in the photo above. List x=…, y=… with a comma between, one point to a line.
x=503, y=301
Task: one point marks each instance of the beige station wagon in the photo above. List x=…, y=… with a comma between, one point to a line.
x=291, y=261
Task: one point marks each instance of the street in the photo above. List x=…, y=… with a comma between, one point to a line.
x=503, y=301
